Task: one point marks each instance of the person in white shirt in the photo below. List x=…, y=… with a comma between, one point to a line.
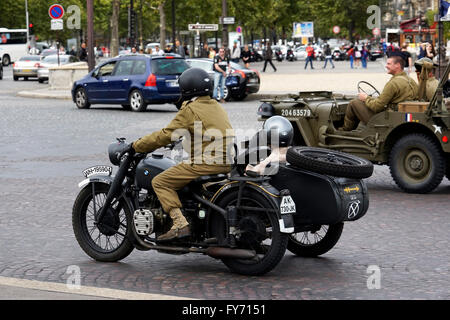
x=235, y=53
x=158, y=51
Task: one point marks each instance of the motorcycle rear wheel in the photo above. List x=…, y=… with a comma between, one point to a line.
x=260, y=231
x=102, y=243
x=308, y=244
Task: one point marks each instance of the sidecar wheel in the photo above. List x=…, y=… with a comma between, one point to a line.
x=102, y=243
x=259, y=231
x=330, y=162
x=307, y=244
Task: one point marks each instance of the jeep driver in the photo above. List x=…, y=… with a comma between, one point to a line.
x=400, y=88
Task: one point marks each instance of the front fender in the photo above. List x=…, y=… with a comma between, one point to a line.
x=269, y=192
x=99, y=178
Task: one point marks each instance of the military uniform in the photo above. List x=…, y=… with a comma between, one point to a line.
x=432, y=84
x=398, y=89
x=206, y=125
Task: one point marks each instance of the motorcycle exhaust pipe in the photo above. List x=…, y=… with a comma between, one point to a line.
x=221, y=252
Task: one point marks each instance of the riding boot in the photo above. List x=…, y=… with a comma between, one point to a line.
x=180, y=227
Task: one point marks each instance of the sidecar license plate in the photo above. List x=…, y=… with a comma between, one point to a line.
x=97, y=170
x=287, y=205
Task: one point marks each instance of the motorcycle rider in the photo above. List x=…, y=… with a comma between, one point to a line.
x=198, y=113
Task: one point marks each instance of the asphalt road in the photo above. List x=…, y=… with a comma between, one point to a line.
x=45, y=144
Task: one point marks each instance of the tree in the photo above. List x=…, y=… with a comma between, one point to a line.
x=115, y=28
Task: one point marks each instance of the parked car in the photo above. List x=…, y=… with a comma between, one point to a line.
x=26, y=67
x=48, y=52
x=52, y=61
x=246, y=81
x=133, y=81
x=300, y=53
x=375, y=53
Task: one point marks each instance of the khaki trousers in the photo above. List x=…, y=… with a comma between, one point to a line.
x=175, y=178
x=356, y=111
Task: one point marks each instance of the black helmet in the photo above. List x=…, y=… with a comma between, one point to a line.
x=266, y=110
x=282, y=128
x=195, y=82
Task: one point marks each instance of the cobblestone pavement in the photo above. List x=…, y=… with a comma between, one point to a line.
x=44, y=145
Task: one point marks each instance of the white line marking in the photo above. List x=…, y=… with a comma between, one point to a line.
x=85, y=290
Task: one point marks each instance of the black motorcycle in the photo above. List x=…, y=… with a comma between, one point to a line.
x=279, y=55
x=246, y=219
x=242, y=220
x=290, y=55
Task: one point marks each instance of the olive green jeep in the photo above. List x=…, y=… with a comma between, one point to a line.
x=412, y=138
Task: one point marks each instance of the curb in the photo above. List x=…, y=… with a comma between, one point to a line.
x=44, y=95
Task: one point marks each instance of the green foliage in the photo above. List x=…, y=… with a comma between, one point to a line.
x=255, y=17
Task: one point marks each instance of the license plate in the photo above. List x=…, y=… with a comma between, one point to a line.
x=26, y=70
x=253, y=80
x=172, y=83
x=97, y=170
x=287, y=205
x=295, y=112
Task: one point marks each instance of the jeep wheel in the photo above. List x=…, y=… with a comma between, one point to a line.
x=417, y=164
x=329, y=162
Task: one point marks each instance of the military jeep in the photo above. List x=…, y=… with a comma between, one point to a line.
x=412, y=137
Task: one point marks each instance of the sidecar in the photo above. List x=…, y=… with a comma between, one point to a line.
x=328, y=189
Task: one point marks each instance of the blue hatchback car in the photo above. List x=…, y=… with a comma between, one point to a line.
x=133, y=81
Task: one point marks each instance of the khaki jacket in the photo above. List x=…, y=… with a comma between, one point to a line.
x=432, y=84
x=206, y=128
x=400, y=88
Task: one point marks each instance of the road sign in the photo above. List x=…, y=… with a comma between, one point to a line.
x=57, y=24
x=203, y=27
x=239, y=29
x=227, y=20
x=376, y=31
x=336, y=29
x=56, y=11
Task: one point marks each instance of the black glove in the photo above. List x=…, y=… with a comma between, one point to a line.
x=128, y=149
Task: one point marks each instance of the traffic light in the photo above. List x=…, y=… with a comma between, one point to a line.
x=30, y=28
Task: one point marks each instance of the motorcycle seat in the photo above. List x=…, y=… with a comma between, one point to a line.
x=211, y=178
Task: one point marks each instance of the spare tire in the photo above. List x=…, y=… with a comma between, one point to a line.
x=329, y=162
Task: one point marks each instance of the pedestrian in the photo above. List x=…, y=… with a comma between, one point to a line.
x=133, y=50
x=205, y=51
x=221, y=66
x=236, y=53
x=72, y=52
x=246, y=55
x=212, y=53
x=168, y=49
x=364, y=56
x=357, y=57
x=422, y=51
x=179, y=49
x=309, y=55
x=407, y=57
x=328, y=56
x=149, y=51
x=430, y=52
x=83, y=52
x=158, y=51
x=351, y=55
x=268, y=55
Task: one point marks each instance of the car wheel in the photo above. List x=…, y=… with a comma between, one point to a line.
x=417, y=163
x=313, y=244
x=226, y=93
x=6, y=60
x=81, y=99
x=329, y=162
x=137, y=102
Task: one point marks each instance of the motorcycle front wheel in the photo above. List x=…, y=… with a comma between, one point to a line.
x=257, y=230
x=108, y=241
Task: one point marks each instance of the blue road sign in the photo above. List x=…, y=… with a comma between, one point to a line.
x=56, y=11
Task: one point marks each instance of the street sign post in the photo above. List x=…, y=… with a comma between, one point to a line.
x=203, y=27
x=227, y=20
